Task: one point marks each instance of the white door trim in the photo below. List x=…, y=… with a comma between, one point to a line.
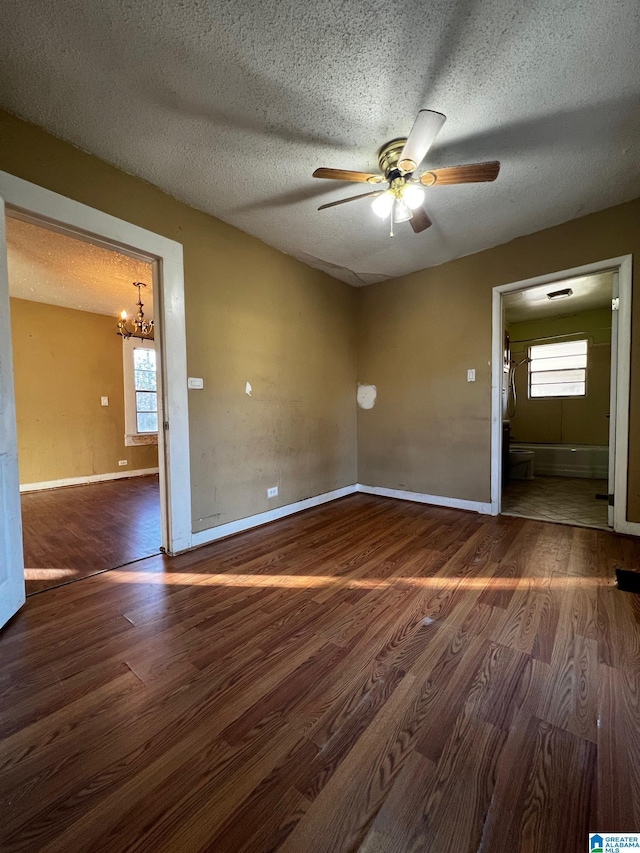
x=38, y=204
x=623, y=265
x=12, y=590
x=613, y=391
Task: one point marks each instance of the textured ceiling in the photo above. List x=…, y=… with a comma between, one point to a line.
x=231, y=105
x=45, y=266
x=589, y=292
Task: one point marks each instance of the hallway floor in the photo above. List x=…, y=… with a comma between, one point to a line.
x=568, y=500
x=73, y=532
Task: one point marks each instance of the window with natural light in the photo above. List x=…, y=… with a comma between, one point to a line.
x=145, y=383
x=141, y=385
x=558, y=370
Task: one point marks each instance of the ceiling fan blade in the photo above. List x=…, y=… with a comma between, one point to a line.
x=420, y=221
x=346, y=175
x=351, y=198
x=470, y=174
x=423, y=133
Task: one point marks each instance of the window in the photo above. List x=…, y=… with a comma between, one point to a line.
x=140, y=392
x=558, y=370
x=144, y=372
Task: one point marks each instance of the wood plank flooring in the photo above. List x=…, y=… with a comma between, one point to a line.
x=371, y=675
x=73, y=532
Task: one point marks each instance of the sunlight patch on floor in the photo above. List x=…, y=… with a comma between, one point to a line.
x=49, y=574
x=325, y=581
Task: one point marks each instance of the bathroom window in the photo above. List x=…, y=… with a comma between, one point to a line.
x=558, y=370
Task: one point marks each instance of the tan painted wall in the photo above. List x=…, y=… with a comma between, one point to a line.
x=253, y=314
x=577, y=420
x=64, y=362
x=430, y=430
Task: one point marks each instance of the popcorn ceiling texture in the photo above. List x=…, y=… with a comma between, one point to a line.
x=231, y=105
x=45, y=266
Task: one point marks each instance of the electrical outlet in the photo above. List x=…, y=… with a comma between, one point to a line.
x=122, y=462
x=273, y=492
x=471, y=375
x=104, y=401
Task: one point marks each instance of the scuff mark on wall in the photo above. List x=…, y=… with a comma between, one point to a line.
x=367, y=396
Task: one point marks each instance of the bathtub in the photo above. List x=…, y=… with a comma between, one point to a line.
x=568, y=460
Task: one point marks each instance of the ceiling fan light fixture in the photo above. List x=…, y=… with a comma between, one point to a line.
x=400, y=162
x=413, y=196
x=401, y=212
x=382, y=205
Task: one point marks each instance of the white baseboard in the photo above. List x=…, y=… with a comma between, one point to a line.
x=434, y=500
x=81, y=481
x=204, y=537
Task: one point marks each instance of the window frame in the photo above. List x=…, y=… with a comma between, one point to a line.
x=132, y=435
x=585, y=340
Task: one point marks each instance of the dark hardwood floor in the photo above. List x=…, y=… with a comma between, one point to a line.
x=371, y=675
x=73, y=532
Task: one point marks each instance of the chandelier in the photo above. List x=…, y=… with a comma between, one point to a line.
x=138, y=328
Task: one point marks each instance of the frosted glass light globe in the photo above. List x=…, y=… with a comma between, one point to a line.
x=401, y=212
x=413, y=196
x=382, y=205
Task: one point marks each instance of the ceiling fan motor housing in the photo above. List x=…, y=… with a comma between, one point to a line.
x=388, y=157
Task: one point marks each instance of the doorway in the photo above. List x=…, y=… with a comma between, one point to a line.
x=87, y=442
x=557, y=400
x=40, y=206
x=560, y=396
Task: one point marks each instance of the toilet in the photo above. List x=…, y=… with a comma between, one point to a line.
x=521, y=464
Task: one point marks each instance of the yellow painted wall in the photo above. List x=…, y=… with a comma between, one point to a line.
x=571, y=420
x=64, y=362
x=252, y=314
x=430, y=429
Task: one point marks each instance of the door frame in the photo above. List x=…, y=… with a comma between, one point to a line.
x=623, y=266
x=613, y=396
x=44, y=207
x=12, y=586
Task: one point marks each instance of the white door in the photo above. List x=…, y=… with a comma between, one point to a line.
x=12, y=595
x=613, y=396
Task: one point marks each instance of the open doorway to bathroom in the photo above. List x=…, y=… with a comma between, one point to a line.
x=557, y=400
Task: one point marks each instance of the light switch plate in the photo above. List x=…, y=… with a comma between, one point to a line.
x=195, y=383
x=104, y=401
x=471, y=375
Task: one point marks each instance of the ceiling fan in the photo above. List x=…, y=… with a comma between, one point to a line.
x=399, y=161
